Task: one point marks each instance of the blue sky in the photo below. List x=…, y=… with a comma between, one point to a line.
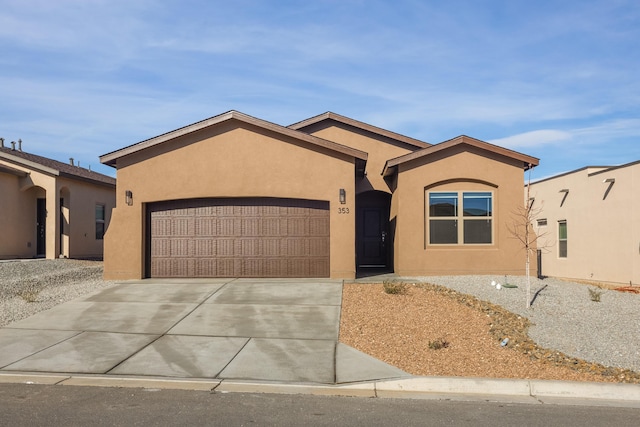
x=559, y=80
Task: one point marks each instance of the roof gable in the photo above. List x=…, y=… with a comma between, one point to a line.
x=53, y=167
x=111, y=158
x=414, y=144
x=527, y=161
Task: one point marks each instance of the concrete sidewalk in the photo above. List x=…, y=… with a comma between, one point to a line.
x=238, y=335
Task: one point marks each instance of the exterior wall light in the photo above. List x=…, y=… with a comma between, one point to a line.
x=128, y=195
x=343, y=196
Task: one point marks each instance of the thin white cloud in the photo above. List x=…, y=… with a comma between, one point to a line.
x=534, y=138
x=599, y=134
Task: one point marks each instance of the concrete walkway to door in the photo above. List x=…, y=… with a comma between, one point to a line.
x=245, y=329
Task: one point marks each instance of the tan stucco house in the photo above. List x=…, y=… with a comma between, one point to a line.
x=235, y=196
x=589, y=224
x=51, y=209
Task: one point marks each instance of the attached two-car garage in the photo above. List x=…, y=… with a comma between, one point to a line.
x=238, y=237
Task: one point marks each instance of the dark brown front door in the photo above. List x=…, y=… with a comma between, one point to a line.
x=41, y=227
x=373, y=237
x=247, y=237
x=374, y=243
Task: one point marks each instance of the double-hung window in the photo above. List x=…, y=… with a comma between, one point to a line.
x=461, y=217
x=99, y=222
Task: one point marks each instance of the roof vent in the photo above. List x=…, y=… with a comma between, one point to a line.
x=71, y=161
x=1, y=142
x=20, y=145
x=13, y=146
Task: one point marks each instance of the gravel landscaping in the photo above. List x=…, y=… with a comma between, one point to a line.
x=564, y=335
x=30, y=286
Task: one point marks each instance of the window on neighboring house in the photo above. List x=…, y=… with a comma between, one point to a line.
x=448, y=224
x=99, y=222
x=562, y=239
x=542, y=222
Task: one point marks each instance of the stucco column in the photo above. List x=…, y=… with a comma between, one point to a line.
x=53, y=221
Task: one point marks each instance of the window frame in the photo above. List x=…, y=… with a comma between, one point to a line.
x=563, y=251
x=460, y=217
x=100, y=222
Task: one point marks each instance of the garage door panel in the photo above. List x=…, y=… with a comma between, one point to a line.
x=318, y=248
x=206, y=226
x=225, y=247
x=318, y=226
x=180, y=248
x=250, y=227
x=229, y=226
x=258, y=237
x=318, y=266
x=297, y=227
x=206, y=247
x=182, y=227
x=271, y=226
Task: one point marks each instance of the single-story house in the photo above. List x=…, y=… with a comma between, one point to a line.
x=589, y=224
x=51, y=209
x=330, y=196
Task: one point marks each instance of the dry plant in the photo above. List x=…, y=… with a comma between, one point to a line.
x=521, y=228
x=394, y=288
x=594, y=294
x=30, y=294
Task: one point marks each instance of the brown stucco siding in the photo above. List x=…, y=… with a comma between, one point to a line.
x=230, y=160
x=379, y=148
x=461, y=168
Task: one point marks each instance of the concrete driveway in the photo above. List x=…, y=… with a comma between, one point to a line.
x=247, y=329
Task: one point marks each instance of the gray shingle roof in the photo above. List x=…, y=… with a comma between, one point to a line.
x=64, y=169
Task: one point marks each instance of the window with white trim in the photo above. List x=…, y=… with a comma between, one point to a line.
x=471, y=225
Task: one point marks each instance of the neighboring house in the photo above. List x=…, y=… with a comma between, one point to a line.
x=236, y=196
x=51, y=209
x=589, y=223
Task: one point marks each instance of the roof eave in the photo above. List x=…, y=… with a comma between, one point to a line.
x=29, y=164
x=13, y=171
x=391, y=165
x=360, y=125
x=87, y=179
x=111, y=158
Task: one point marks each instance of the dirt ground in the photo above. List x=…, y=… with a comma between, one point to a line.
x=405, y=330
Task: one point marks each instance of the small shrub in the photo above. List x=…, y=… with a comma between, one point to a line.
x=394, y=288
x=29, y=294
x=438, y=344
x=595, y=294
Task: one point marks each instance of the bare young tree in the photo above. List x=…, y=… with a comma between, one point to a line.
x=521, y=228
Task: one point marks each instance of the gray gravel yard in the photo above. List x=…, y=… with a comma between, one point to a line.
x=30, y=286
x=564, y=317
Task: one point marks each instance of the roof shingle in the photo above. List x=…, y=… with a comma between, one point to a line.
x=65, y=169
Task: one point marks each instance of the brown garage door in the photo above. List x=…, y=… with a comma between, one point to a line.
x=251, y=237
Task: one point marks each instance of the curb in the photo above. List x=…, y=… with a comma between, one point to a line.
x=434, y=388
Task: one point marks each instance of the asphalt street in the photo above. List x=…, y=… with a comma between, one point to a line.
x=42, y=405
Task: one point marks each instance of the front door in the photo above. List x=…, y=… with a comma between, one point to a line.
x=374, y=223
x=41, y=227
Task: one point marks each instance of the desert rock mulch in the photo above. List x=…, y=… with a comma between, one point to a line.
x=432, y=330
